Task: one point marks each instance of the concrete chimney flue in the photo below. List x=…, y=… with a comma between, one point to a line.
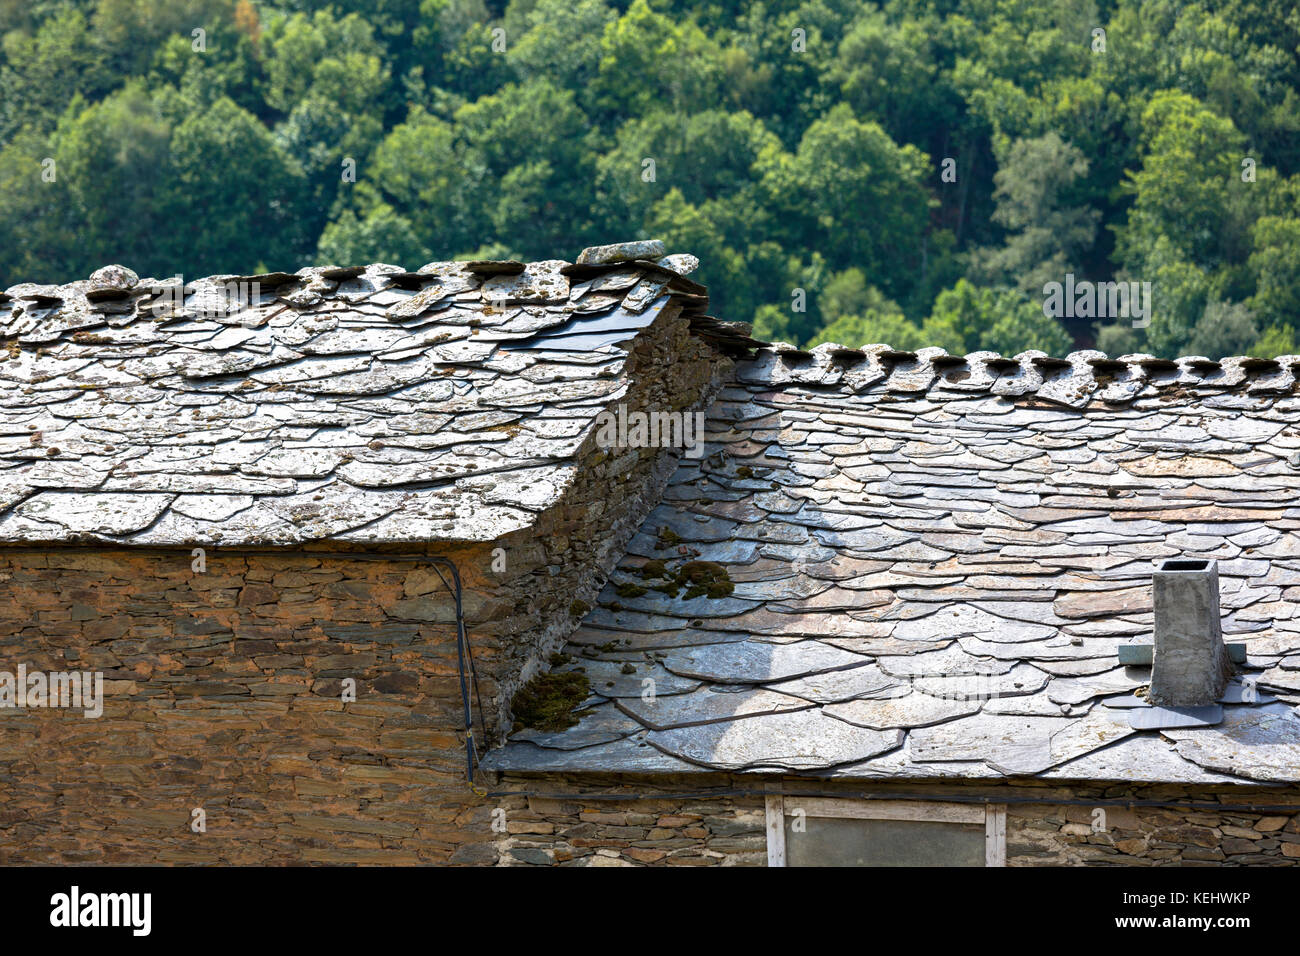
x=1190, y=667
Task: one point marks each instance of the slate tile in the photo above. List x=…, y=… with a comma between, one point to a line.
x=798, y=740
x=915, y=709
x=709, y=705
x=752, y=662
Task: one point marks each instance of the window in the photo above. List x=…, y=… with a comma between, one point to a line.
x=817, y=831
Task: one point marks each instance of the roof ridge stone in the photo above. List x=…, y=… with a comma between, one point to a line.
x=112, y=293
x=1074, y=380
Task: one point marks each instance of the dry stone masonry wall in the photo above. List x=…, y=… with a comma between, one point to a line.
x=659, y=829
x=223, y=693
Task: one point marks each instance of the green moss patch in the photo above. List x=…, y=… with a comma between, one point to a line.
x=547, y=702
x=705, y=577
x=695, y=578
x=668, y=538
x=654, y=569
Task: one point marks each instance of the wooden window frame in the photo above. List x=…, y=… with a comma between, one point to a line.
x=992, y=815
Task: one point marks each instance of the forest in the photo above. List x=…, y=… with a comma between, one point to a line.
x=914, y=172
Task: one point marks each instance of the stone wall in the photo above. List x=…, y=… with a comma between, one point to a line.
x=1056, y=835
x=660, y=828
x=223, y=693
x=223, y=687
x=554, y=820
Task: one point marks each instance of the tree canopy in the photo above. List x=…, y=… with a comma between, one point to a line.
x=910, y=172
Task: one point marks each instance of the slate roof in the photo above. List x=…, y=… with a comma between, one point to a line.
x=932, y=560
x=367, y=405
x=935, y=561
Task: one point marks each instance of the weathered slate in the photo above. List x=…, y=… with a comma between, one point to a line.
x=914, y=710
x=328, y=381
x=799, y=740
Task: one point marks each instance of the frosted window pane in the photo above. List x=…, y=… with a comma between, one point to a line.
x=831, y=841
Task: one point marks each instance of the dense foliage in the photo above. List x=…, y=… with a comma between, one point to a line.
x=798, y=148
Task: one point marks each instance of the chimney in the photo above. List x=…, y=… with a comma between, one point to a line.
x=1191, y=666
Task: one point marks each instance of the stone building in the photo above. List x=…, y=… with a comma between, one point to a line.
x=331, y=538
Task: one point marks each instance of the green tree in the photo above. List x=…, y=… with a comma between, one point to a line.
x=998, y=320
x=722, y=268
x=887, y=70
x=472, y=67
x=1179, y=292
x=675, y=65
x=40, y=235
x=1023, y=327
x=555, y=42
x=1275, y=263
x=1276, y=340
x=227, y=163
x=859, y=314
x=382, y=236
x=705, y=155
x=798, y=149
x=40, y=74
x=1050, y=233
x=114, y=167
x=892, y=329
x=129, y=32
x=528, y=151
x=1224, y=328
x=844, y=170
x=336, y=58
x=1181, y=194
x=420, y=169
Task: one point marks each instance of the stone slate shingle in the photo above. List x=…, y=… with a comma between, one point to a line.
x=364, y=405
x=940, y=557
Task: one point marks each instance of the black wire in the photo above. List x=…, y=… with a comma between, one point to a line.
x=462, y=640
x=469, y=650
x=463, y=651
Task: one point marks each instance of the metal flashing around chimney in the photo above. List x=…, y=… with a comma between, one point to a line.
x=1140, y=655
x=1167, y=718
